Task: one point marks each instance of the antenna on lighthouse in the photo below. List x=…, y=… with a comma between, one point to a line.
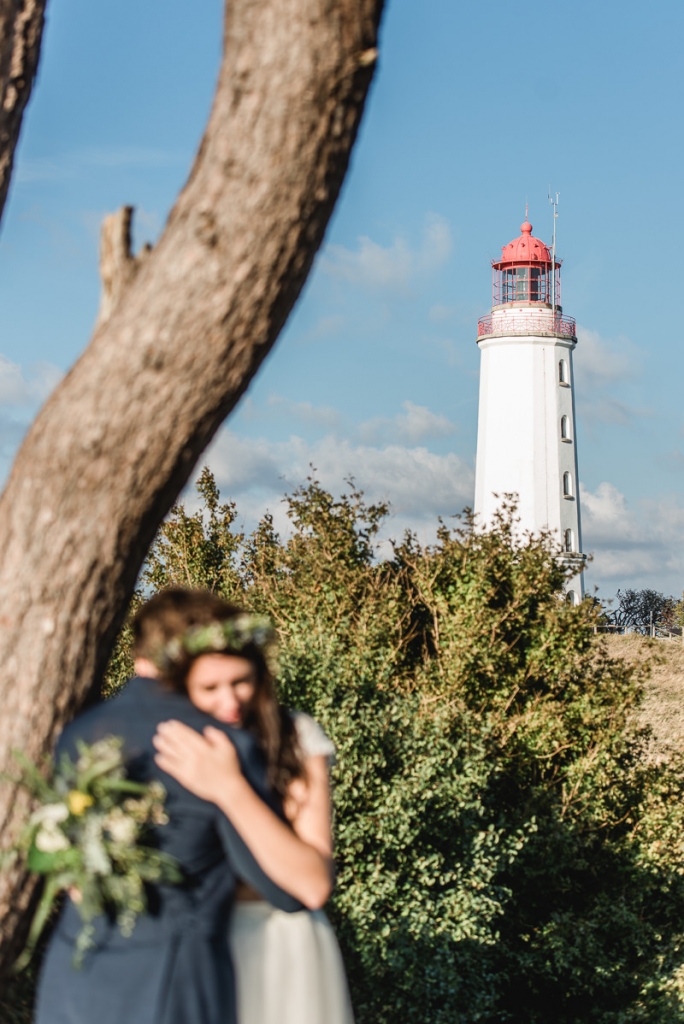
x=553, y=199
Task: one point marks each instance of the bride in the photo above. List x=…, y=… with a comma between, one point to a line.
x=288, y=966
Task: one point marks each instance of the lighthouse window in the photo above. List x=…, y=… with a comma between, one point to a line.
x=521, y=287
x=569, y=546
x=535, y=291
x=565, y=428
x=563, y=372
x=567, y=485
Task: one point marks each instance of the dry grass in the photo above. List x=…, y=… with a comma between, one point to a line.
x=663, y=708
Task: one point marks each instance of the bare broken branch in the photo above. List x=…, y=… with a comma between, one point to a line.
x=118, y=265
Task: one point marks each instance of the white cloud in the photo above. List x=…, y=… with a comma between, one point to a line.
x=419, y=484
x=305, y=412
x=244, y=464
x=324, y=327
x=600, y=367
x=641, y=546
x=16, y=389
x=417, y=423
x=606, y=515
x=396, y=266
x=599, y=362
x=414, y=425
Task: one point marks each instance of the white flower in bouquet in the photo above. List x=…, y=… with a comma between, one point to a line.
x=51, y=839
x=121, y=828
x=49, y=814
x=89, y=836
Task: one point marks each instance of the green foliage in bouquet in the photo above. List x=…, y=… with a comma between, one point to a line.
x=505, y=853
x=86, y=837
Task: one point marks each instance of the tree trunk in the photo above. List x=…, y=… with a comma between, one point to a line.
x=21, y=30
x=174, y=349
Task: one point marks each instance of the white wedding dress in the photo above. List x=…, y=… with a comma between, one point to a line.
x=288, y=967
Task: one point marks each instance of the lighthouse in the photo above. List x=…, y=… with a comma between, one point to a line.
x=526, y=439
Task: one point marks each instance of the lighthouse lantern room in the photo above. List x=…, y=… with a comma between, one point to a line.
x=526, y=440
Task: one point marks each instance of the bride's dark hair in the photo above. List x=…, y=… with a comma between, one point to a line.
x=159, y=629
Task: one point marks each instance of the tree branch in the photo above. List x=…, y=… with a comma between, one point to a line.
x=116, y=442
x=21, y=31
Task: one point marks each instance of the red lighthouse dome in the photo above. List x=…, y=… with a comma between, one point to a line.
x=525, y=249
x=524, y=272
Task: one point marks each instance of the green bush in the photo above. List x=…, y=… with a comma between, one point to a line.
x=504, y=853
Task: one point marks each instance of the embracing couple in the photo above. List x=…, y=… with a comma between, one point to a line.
x=243, y=940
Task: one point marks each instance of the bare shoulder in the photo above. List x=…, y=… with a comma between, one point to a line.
x=312, y=738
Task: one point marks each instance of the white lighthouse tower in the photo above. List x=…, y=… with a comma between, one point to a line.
x=526, y=442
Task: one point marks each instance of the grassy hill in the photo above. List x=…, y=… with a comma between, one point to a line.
x=663, y=708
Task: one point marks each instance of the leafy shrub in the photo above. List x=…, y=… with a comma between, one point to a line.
x=503, y=852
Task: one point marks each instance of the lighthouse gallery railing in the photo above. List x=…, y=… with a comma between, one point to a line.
x=541, y=324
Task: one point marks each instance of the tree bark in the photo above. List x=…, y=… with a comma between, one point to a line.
x=21, y=31
x=116, y=442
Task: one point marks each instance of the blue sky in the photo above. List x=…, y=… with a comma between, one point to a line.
x=475, y=110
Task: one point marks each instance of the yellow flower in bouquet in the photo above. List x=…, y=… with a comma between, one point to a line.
x=79, y=802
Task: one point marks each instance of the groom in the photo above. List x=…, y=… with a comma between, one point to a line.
x=175, y=968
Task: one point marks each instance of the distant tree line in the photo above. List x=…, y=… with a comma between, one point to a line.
x=639, y=610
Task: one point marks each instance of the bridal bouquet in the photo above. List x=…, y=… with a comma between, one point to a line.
x=86, y=836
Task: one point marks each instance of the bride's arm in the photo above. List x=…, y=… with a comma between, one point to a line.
x=307, y=806
x=208, y=766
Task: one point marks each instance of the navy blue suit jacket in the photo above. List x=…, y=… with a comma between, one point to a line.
x=175, y=968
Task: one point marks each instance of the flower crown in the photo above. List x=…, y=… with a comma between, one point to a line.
x=223, y=635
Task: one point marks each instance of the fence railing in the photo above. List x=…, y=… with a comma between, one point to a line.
x=654, y=630
x=520, y=325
